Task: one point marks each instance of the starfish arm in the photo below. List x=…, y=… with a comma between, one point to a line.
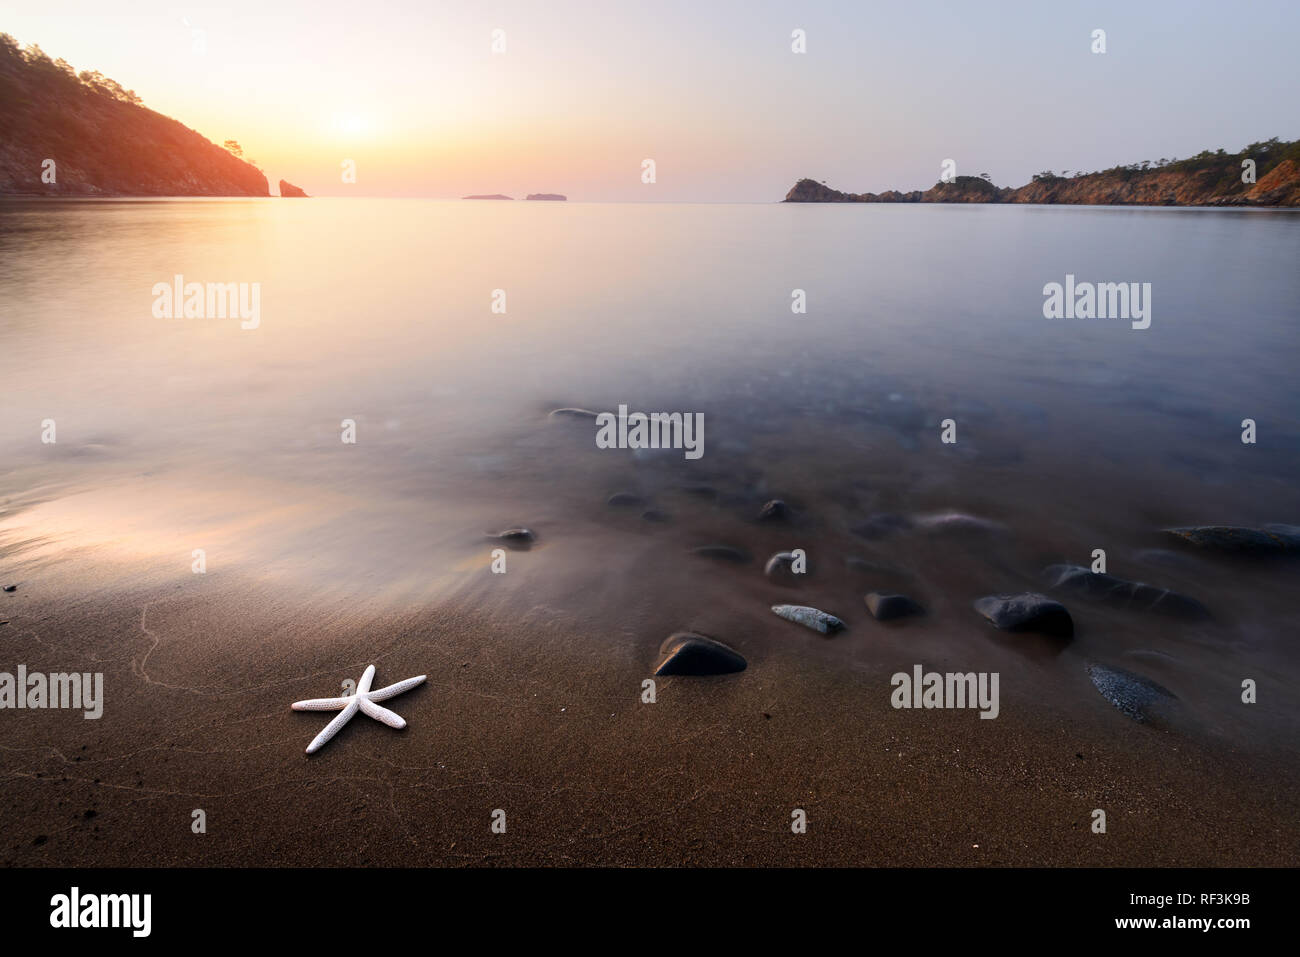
x=380, y=713
x=367, y=680
x=320, y=704
x=332, y=728
x=392, y=691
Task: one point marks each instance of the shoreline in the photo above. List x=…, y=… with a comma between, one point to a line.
x=539, y=713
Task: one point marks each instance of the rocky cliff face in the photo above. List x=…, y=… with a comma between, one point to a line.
x=100, y=140
x=1210, y=179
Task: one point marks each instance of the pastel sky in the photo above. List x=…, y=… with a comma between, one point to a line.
x=709, y=89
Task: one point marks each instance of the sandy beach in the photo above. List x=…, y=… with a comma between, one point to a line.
x=533, y=703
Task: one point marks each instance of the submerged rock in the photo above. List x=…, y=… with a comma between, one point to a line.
x=625, y=498
x=1236, y=539
x=520, y=537
x=1163, y=556
x=1028, y=611
x=1125, y=594
x=887, y=607
x=654, y=515
x=812, y=618
x=724, y=553
x=774, y=511
x=781, y=566
x=1138, y=697
x=701, y=491
x=881, y=525
x=689, y=653
x=957, y=522
x=868, y=567
x=572, y=414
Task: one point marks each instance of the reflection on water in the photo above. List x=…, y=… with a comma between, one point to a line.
x=1072, y=434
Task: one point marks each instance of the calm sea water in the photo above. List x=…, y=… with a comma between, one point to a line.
x=175, y=434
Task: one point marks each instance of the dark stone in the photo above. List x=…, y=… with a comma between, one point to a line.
x=1124, y=594
x=11, y=587
x=1163, y=556
x=881, y=525
x=701, y=491
x=625, y=498
x=886, y=607
x=1136, y=696
x=781, y=565
x=688, y=653
x=810, y=617
x=957, y=522
x=1028, y=611
x=774, y=511
x=654, y=515
x=859, y=564
x=1235, y=539
x=517, y=538
x=725, y=553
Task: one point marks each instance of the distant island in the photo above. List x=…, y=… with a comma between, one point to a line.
x=81, y=134
x=543, y=196
x=289, y=191
x=1207, y=179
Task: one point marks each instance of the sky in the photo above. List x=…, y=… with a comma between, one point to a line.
x=711, y=90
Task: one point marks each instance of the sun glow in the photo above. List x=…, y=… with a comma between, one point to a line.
x=351, y=125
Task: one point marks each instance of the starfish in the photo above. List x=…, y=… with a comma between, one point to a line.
x=363, y=700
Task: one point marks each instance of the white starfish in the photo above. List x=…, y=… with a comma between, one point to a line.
x=363, y=700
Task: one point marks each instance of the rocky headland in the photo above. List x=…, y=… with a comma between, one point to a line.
x=1207, y=179
x=81, y=134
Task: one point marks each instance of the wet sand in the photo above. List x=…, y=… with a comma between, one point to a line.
x=533, y=702
x=528, y=717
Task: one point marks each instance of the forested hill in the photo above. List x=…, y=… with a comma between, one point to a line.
x=101, y=139
x=1211, y=178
